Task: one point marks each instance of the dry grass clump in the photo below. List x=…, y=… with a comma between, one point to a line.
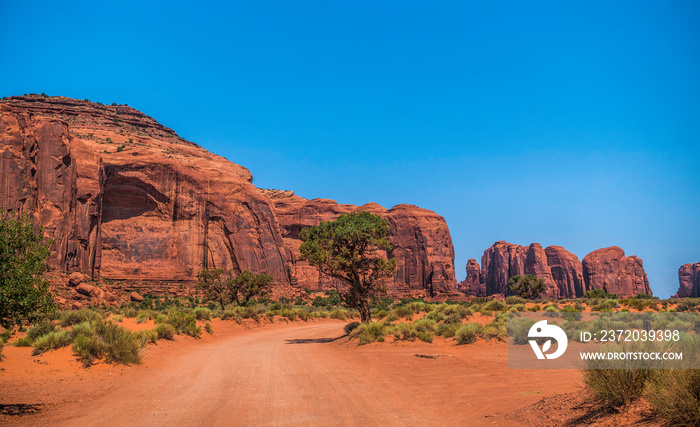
x=105, y=340
x=675, y=395
x=468, y=334
x=369, y=332
x=165, y=331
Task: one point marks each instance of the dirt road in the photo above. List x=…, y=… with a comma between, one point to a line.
x=308, y=374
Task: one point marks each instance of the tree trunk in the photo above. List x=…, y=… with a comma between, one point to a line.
x=365, y=315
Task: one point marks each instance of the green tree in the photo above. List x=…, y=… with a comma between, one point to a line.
x=24, y=293
x=214, y=284
x=527, y=286
x=348, y=249
x=225, y=287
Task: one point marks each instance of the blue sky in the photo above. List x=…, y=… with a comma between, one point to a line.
x=571, y=125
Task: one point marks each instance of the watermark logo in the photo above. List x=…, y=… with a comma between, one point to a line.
x=542, y=330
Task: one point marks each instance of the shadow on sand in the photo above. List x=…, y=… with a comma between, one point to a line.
x=313, y=340
x=20, y=408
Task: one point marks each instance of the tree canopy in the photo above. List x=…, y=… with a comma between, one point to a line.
x=348, y=249
x=24, y=293
x=527, y=286
x=225, y=286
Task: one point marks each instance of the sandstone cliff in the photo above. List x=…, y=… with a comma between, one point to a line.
x=609, y=269
x=125, y=198
x=689, y=281
x=563, y=274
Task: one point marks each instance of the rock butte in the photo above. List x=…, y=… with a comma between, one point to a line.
x=127, y=199
x=564, y=275
x=689, y=281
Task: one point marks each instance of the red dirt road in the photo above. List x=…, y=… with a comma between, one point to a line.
x=298, y=374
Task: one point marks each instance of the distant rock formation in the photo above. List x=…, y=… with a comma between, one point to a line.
x=563, y=274
x=610, y=270
x=126, y=198
x=689, y=281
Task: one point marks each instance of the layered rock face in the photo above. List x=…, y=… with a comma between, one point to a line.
x=689, y=281
x=125, y=198
x=563, y=274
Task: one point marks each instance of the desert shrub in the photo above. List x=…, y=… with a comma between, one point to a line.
x=519, y=329
x=512, y=300
x=518, y=307
x=405, y=331
x=435, y=315
x=425, y=325
x=38, y=329
x=208, y=328
x=688, y=304
x=598, y=293
x=83, y=328
x=146, y=337
x=605, y=306
x=184, y=323
x=106, y=340
x=130, y=312
x=369, y=332
x=202, y=313
x=23, y=342
x=535, y=308
x=339, y=313
x=675, y=395
x=70, y=318
x=142, y=317
x=165, y=331
x=467, y=334
x=447, y=330
x=496, y=329
x=118, y=318
x=456, y=310
x=616, y=387
x=51, y=341
x=454, y=318
x=491, y=306
x=288, y=313
x=392, y=316
x=571, y=313
x=5, y=336
x=303, y=315
x=160, y=318
x=426, y=336
x=404, y=311
x=350, y=327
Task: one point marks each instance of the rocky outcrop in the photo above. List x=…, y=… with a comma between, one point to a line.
x=474, y=283
x=610, y=270
x=567, y=272
x=562, y=272
x=689, y=281
x=125, y=198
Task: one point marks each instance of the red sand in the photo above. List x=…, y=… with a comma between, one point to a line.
x=282, y=374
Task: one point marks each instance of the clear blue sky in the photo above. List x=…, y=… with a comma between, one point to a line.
x=571, y=125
